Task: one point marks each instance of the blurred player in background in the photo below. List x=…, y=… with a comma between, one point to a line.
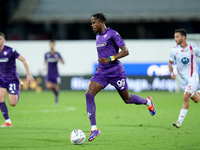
x=53, y=79
x=185, y=56
x=9, y=79
x=110, y=70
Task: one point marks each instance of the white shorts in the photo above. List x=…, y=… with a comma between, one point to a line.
x=190, y=84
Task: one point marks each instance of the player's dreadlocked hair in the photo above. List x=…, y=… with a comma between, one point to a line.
x=182, y=31
x=100, y=16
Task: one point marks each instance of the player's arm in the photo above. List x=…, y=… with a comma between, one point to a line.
x=62, y=61
x=28, y=75
x=124, y=52
x=171, y=70
x=59, y=58
x=45, y=65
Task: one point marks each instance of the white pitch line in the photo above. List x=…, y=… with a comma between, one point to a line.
x=67, y=109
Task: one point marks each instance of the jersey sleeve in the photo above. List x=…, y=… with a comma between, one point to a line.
x=197, y=51
x=45, y=57
x=172, y=55
x=59, y=56
x=15, y=53
x=118, y=40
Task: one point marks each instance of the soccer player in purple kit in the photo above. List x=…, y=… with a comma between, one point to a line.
x=53, y=78
x=9, y=79
x=110, y=70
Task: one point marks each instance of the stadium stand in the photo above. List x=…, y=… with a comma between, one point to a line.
x=68, y=11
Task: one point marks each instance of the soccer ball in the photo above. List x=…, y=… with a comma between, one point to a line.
x=77, y=136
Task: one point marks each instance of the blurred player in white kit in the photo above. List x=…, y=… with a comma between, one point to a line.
x=185, y=56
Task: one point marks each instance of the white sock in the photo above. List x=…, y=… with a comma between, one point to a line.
x=182, y=115
x=148, y=103
x=93, y=127
x=8, y=120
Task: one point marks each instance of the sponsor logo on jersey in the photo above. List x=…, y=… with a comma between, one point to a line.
x=4, y=59
x=51, y=60
x=185, y=60
x=102, y=44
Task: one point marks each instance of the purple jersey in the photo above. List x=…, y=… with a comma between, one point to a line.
x=51, y=59
x=8, y=65
x=108, y=44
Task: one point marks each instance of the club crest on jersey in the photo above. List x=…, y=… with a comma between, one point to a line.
x=105, y=36
x=185, y=60
x=5, y=53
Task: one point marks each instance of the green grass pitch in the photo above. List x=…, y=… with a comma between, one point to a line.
x=39, y=124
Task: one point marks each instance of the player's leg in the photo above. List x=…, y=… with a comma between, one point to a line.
x=93, y=89
x=53, y=84
x=13, y=89
x=196, y=97
x=3, y=107
x=135, y=99
x=190, y=92
x=121, y=85
x=132, y=99
x=13, y=99
x=20, y=86
x=183, y=110
x=56, y=89
x=49, y=85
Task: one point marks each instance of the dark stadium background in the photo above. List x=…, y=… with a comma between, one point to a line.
x=144, y=28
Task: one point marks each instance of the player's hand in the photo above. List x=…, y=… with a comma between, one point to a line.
x=173, y=76
x=104, y=60
x=30, y=79
x=58, y=59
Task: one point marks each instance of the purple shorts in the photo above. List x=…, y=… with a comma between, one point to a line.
x=56, y=80
x=119, y=82
x=11, y=86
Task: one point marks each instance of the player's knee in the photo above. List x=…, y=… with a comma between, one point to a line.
x=48, y=87
x=186, y=96
x=126, y=101
x=12, y=104
x=57, y=88
x=196, y=100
